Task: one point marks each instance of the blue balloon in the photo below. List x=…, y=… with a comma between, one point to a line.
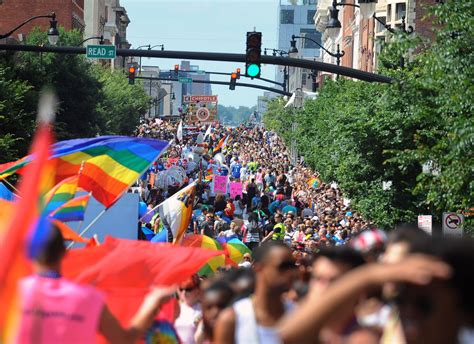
x=142, y=209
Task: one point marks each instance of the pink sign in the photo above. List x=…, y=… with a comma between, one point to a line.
x=220, y=184
x=235, y=188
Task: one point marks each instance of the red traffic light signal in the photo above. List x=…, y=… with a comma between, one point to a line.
x=131, y=75
x=176, y=67
x=233, y=79
x=238, y=73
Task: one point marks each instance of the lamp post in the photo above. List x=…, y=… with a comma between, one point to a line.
x=156, y=101
x=100, y=38
x=149, y=47
x=285, y=70
x=53, y=33
x=338, y=54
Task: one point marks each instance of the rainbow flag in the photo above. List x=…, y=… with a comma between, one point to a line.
x=203, y=241
x=111, y=163
x=72, y=210
x=314, y=182
x=25, y=222
x=176, y=211
x=61, y=193
x=221, y=144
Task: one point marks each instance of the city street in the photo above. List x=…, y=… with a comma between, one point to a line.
x=268, y=171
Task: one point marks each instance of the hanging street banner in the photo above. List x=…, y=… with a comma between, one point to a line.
x=452, y=224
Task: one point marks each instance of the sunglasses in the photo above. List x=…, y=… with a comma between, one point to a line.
x=285, y=266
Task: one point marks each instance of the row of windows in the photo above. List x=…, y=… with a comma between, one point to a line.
x=288, y=16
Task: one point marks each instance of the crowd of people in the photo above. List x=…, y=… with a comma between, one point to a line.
x=317, y=272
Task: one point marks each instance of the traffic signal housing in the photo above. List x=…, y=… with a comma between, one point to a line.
x=253, y=54
x=176, y=69
x=233, y=79
x=131, y=75
x=238, y=73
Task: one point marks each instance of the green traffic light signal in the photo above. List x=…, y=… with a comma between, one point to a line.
x=253, y=70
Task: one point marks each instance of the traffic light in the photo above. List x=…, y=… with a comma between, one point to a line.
x=253, y=53
x=238, y=73
x=131, y=75
x=176, y=69
x=233, y=78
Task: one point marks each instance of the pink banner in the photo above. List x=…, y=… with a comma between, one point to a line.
x=220, y=184
x=235, y=188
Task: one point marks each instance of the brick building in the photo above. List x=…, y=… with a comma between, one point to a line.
x=69, y=14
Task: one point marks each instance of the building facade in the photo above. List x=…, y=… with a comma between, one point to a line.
x=296, y=18
x=69, y=14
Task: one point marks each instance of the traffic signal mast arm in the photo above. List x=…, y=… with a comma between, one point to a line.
x=208, y=56
x=260, y=78
x=260, y=87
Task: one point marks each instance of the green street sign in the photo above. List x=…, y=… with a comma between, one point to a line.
x=185, y=80
x=101, y=51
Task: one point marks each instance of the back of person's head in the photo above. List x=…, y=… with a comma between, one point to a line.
x=341, y=254
x=261, y=253
x=458, y=253
x=410, y=234
x=53, y=250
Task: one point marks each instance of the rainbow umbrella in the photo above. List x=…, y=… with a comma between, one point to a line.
x=314, y=182
x=237, y=249
x=203, y=241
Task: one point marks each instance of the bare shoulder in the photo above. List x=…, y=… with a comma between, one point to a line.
x=225, y=327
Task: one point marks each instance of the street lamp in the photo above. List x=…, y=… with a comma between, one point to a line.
x=367, y=10
x=338, y=54
x=149, y=47
x=158, y=45
x=100, y=38
x=53, y=33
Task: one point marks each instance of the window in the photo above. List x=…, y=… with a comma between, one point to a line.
x=400, y=11
x=389, y=13
x=312, y=34
x=311, y=14
x=379, y=26
x=287, y=16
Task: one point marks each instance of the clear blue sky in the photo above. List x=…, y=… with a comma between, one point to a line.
x=205, y=25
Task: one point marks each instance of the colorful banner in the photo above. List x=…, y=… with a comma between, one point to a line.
x=235, y=188
x=220, y=184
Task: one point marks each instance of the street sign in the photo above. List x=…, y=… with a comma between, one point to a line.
x=452, y=224
x=101, y=51
x=197, y=99
x=425, y=222
x=185, y=80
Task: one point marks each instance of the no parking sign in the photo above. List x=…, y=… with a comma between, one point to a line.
x=452, y=224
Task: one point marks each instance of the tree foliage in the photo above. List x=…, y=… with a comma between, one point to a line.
x=93, y=99
x=234, y=116
x=416, y=132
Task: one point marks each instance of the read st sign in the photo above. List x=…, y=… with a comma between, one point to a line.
x=101, y=51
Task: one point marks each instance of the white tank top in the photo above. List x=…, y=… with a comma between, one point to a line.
x=247, y=331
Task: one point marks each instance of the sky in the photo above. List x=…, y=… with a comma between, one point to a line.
x=205, y=25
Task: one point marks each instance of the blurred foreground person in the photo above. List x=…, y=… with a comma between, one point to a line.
x=254, y=319
x=216, y=297
x=56, y=310
x=190, y=309
x=435, y=299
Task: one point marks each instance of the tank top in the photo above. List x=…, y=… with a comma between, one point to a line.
x=55, y=310
x=246, y=328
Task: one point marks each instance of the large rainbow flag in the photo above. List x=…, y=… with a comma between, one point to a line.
x=110, y=163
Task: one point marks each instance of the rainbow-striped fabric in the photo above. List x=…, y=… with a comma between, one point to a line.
x=203, y=241
x=72, y=210
x=60, y=194
x=110, y=163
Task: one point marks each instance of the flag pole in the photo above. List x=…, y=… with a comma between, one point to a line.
x=89, y=226
x=10, y=185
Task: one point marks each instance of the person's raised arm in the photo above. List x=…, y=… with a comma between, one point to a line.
x=305, y=324
x=112, y=330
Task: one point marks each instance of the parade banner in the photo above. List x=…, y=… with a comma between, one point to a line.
x=235, y=188
x=220, y=184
